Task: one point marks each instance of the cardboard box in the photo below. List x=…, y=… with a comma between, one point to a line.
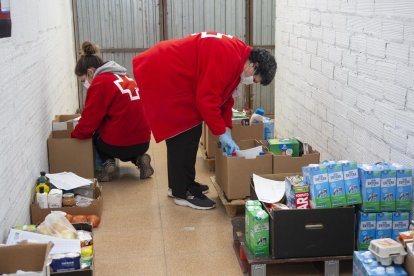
x=25, y=256
x=366, y=232
x=233, y=173
x=289, y=164
x=69, y=154
x=384, y=225
x=79, y=272
x=317, y=178
x=62, y=124
x=38, y=214
x=352, y=182
x=409, y=264
x=238, y=133
x=299, y=233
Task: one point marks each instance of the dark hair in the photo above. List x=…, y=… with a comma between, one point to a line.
x=88, y=58
x=266, y=67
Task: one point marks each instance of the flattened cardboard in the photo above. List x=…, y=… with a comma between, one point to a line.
x=233, y=173
x=25, y=256
x=300, y=233
x=38, y=214
x=238, y=133
x=289, y=164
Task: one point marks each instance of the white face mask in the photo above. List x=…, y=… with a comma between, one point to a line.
x=86, y=84
x=246, y=80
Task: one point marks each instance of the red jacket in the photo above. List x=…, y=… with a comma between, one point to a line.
x=113, y=108
x=183, y=82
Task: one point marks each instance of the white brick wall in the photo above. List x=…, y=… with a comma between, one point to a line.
x=37, y=82
x=357, y=85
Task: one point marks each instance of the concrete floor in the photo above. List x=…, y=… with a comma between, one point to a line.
x=143, y=232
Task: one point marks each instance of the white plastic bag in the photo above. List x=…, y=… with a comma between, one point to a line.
x=57, y=225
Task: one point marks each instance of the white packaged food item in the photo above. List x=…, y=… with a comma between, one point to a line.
x=54, y=198
x=387, y=251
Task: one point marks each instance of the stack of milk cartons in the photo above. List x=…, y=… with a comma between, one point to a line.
x=365, y=264
x=316, y=175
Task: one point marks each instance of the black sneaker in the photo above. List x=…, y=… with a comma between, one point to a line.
x=195, y=187
x=144, y=165
x=199, y=201
x=108, y=171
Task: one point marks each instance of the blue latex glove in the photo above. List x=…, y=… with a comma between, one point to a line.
x=227, y=142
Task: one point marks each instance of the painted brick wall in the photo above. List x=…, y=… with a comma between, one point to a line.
x=345, y=82
x=37, y=82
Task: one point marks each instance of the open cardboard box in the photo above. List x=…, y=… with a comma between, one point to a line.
x=238, y=133
x=289, y=164
x=299, y=233
x=79, y=272
x=69, y=154
x=233, y=173
x=25, y=256
x=38, y=214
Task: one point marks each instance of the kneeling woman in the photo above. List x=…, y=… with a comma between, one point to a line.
x=113, y=114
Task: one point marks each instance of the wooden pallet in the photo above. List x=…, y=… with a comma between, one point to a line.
x=232, y=206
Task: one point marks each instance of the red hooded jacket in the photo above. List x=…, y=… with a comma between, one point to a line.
x=114, y=109
x=183, y=82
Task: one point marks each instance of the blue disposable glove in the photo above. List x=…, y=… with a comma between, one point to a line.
x=227, y=142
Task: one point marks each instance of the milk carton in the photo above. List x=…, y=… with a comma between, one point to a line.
x=367, y=223
x=352, y=182
x=336, y=184
x=250, y=205
x=404, y=192
x=400, y=223
x=371, y=187
x=388, y=188
x=259, y=233
x=297, y=193
x=384, y=225
x=317, y=178
x=365, y=264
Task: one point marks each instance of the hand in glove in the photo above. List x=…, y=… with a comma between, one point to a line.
x=227, y=142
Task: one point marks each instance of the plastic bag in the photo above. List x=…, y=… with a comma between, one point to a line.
x=57, y=225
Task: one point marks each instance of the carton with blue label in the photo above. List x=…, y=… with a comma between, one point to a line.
x=370, y=177
x=351, y=182
x=317, y=178
x=404, y=189
x=400, y=223
x=384, y=225
x=388, y=188
x=367, y=224
x=336, y=184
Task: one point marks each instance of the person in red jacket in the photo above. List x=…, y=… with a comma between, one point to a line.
x=183, y=82
x=113, y=114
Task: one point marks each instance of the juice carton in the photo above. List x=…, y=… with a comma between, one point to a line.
x=352, y=182
x=317, y=178
x=367, y=223
x=400, y=223
x=388, y=188
x=336, y=184
x=384, y=225
x=404, y=190
x=250, y=205
x=297, y=193
x=371, y=187
x=259, y=233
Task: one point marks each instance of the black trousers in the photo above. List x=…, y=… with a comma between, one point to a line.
x=124, y=153
x=181, y=159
